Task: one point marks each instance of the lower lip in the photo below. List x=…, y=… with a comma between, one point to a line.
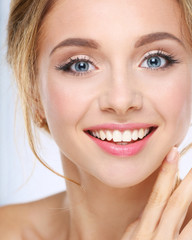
x=122, y=150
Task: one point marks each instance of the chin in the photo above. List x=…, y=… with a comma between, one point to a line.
x=123, y=180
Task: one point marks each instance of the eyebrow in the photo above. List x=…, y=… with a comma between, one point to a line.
x=152, y=37
x=78, y=42
x=90, y=43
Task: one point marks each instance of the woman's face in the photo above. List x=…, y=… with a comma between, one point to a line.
x=119, y=70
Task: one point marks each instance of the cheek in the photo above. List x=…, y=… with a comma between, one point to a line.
x=62, y=105
x=65, y=102
x=173, y=102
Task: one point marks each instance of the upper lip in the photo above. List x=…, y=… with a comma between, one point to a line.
x=120, y=127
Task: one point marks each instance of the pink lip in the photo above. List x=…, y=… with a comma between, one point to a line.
x=120, y=127
x=122, y=150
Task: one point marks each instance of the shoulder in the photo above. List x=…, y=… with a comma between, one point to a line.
x=27, y=221
x=9, y=229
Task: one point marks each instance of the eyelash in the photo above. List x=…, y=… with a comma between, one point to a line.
x=67, y=66
x=169, y=58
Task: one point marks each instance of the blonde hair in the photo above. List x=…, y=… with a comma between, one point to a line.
x=24, y=26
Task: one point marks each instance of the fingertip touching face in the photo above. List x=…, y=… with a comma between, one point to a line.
x=115, y=83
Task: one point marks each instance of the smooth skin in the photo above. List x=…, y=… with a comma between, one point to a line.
x=166, y=216
x=118, y=199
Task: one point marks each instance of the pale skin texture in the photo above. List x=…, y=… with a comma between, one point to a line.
x=118, y=89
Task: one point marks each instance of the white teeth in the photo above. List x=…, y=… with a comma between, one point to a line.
x=117, y=136
x=97, y=134
x=102, y=135
x=141, y=133
x=94, y=134
x=135, y=135
x=121, y=136
x=109, y=135
x=146, y=131
x=126, y=136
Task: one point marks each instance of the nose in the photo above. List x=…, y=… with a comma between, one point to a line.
x=120, y=96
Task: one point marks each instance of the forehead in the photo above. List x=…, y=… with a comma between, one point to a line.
x=111, y=19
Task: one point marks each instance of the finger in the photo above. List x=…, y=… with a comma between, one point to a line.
x=186, y=234
x=161, y=192
x=177, y=207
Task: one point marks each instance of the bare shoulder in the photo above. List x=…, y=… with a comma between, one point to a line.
x=29, y=220
x=7, y=222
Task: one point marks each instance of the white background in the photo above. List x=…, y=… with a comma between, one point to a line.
x=16, y=159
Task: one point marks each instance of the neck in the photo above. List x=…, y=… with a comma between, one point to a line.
x=101, y=211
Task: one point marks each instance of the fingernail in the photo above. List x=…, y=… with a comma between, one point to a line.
x=171, y=157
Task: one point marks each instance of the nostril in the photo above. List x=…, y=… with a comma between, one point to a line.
x=121, y=103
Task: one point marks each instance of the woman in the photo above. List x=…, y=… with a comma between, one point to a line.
x=111, y=82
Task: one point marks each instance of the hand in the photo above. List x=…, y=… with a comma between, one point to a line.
x=167, y=207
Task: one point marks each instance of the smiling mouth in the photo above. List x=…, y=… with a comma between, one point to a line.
x=121, y=137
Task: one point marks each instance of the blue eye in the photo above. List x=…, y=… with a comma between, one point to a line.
x=154, y=62
x=77, y=66
x=81, y=66
x=158, y=60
